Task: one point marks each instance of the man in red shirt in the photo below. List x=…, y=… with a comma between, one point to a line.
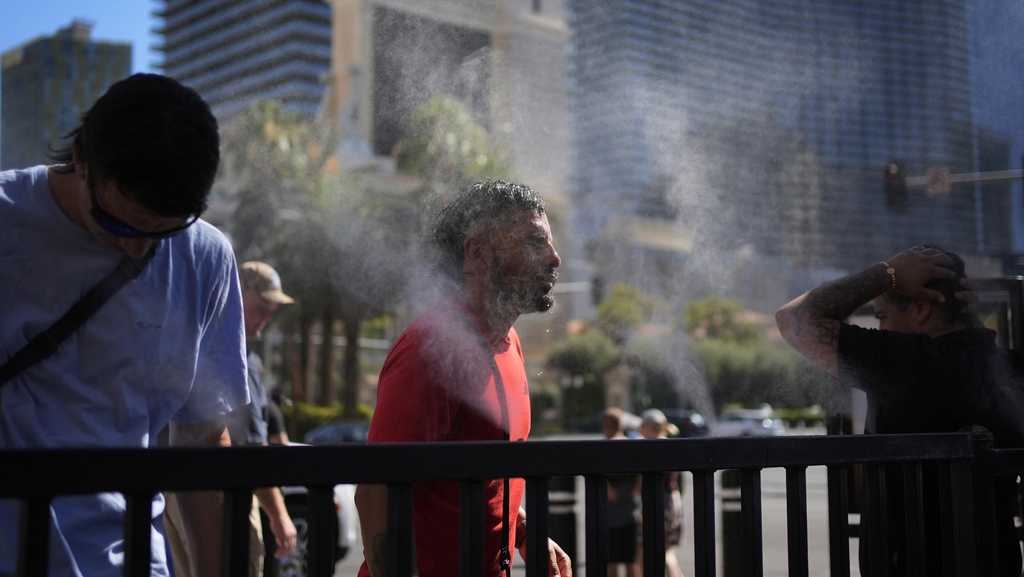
x=457, y=374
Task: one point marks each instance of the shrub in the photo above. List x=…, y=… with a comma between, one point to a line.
x=755, y=373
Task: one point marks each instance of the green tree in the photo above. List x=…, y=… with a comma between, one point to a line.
x=581, y=362
x=341, y=244
x=447, y=147
x=623, y=310
x=718, y=318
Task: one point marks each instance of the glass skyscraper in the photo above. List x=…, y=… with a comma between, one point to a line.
x=769, y=124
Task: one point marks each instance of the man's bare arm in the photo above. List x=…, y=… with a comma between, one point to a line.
x=202, y=511
x=810, y=322
x=272, y=501
x=559, y=563
x=372, y=504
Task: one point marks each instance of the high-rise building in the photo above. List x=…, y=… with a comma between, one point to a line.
x=767, y=125
x=235, y=52
x=504, y=60
x=48, y=83
x=997, y=57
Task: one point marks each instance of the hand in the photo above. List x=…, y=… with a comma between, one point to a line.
x=918, y=266
x=284, y=534
x=559, y=564
x=967, y=293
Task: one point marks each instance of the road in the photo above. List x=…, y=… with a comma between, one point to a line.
x=773, y=506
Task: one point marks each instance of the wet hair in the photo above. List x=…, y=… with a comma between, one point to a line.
x=153, y=137
x=482, y=206
x=953, y=310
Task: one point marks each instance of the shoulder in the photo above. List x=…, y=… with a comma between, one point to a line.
x=207, y=243
x=206, y=253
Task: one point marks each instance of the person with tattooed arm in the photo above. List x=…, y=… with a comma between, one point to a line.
x=929, y=368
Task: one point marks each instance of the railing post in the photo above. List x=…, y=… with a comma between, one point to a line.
x=597, y=521
x=750, y=493
x=399, y=534
x=321, y=531
x=471, y=529
x=875, y=521
x=962, y=494
x=654, y=524
x=942, y=474
x=985, y=485
x=913, y=502
x=35, y=537
x=796, y=519
x=537, y=527
x=838, y=541
x=704, y=523
x=138, y=542
x=237, y=506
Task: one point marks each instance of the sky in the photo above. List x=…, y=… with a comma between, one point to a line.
x=118, y=20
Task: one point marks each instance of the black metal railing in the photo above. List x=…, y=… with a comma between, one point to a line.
x=38, y=476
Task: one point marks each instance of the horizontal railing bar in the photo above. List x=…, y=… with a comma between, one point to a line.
x=1003, y=461
x=43, y=472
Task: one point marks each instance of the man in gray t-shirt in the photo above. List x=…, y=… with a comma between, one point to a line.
x=167, y=348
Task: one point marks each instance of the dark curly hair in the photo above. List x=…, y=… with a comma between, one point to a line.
x=953, y=310
x=155, y=138
x=483, y=205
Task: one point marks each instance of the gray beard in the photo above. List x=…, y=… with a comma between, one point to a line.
x=515, y=301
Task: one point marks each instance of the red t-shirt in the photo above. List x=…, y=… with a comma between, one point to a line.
x=437, y=384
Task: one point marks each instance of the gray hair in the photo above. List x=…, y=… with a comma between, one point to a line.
x=483, y=205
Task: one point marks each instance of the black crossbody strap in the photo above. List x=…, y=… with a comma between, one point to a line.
x=46, y=343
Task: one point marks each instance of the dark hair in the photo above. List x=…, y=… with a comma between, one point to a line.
x=953, y=310
x=482, y=205
x=155, y=138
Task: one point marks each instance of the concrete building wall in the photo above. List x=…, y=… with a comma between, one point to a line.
x=48, y=83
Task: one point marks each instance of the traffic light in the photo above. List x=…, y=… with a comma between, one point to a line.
x=597, y=289
x=895, y=185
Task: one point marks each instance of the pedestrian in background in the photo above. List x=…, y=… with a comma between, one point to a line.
x=654, y=425
x=262, y=295
x=623, y=512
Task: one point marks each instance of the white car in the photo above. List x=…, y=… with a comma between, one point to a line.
x=747, y=423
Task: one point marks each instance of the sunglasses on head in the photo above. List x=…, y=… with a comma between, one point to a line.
x=117, y=227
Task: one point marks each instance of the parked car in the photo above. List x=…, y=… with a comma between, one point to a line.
x=690, y=423
x=338, y=433
x=748, y=423
x=296, y=499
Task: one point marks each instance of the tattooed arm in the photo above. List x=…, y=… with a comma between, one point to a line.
x=372, y=504
x=810, y=322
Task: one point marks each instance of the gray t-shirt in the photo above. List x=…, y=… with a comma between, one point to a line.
x=168, y=346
